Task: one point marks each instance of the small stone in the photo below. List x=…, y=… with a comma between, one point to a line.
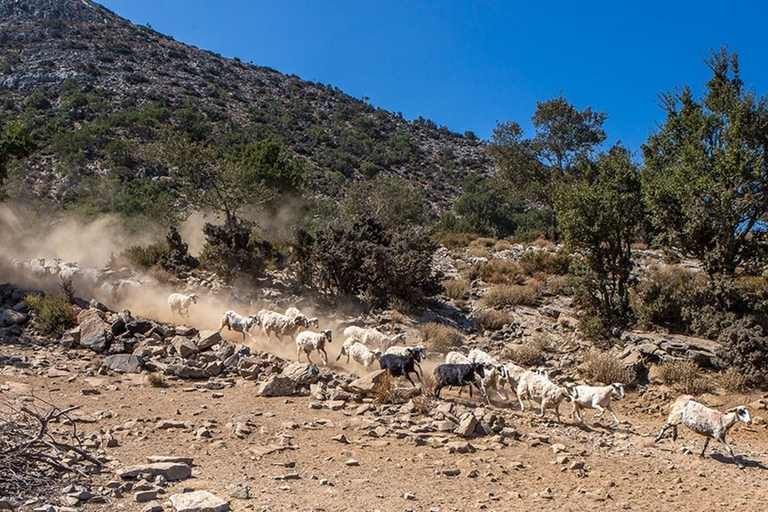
x=451, y=472
x=352, y=462
x=341, y=438
x=409, y=496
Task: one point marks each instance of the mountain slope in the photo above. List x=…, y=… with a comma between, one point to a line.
x=90, y=81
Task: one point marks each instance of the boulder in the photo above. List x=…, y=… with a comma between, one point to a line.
x=366, y=383
x=124, y=363
x=277, y=385
x=302, y=374
x=94, y=331
x=207, y=339
x=467, y=425
x=184, y=346
x=198, y=501
x=171, y=471
x=10, y=317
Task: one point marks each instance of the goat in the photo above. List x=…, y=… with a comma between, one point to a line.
x=399, y=366
x=307, y=341
x=235, y=322
x=705, y=421
x=595, y=397
x=179, y=303
x=450, y=374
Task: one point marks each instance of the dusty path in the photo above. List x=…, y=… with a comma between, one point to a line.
x=622, y=467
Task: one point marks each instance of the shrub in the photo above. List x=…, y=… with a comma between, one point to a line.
x=231, y=251
x=456, y=289
x=55, y=314
x=143, y=257
x=454, y=240
x=156, y=380
x=496, y=271
x=491, y=319
x=606, y=368
x=594, y=328
x=734, y=380
x=745, y=348
x=685, y=377
x=363, y=258
x=440, y=337
x=511, y=295
x=545, y=262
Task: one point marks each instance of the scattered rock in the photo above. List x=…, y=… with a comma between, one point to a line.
x=199, y=501
x=124, y=363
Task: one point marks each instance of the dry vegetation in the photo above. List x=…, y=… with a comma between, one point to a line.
x=508, y=295
x=439, y=337
x=686, y=377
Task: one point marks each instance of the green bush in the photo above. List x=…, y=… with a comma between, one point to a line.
x=54, y=314
x=594, y=328
x=362, y=258
x=142, y=257
x=745, y=347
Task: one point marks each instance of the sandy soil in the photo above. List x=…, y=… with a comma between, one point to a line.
x=622, y=467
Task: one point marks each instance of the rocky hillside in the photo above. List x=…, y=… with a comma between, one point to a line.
x=94, y=84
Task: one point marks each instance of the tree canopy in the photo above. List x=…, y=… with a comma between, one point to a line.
x=706, y=175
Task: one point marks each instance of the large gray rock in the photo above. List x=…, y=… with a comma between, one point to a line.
x=94, y=331
x=184, y=346
x=467, y=425
x=199, y=501
x=366, y=383
x=277, y=385
x=124, y=363
x=169, y=470
x=207, y=339
x=10, y=317
x=184, y=371
x=302, y=374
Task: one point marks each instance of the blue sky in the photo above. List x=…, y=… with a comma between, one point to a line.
x=468, y=64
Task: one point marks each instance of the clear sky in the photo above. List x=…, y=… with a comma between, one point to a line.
x=468, y=64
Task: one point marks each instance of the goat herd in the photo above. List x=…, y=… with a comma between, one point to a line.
x=477, y=368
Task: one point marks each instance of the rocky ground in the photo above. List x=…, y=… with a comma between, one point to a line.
x=337, y=450
x=177, y=414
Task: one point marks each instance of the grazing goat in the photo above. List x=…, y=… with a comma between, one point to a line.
x=373, y=337
x=399, y=366
x=281, y=325
x=705, y=421
x=595, y=397
x=179, y=303
x=307, y=341
x=235, y=322
x=538, y=387
x=359, y=352
x=460, y=375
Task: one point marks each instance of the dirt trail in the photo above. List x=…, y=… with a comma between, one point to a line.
x=622, y=467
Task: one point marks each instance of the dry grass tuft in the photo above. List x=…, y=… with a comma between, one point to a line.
x=553, y=263
x=530, y=353
x=456, y=289
x=511, y=295
x=733, y=380
x=496, y=271
x=606, y=368
x=685, y=377
x=441, y=338
x=492, y=319
x=156, y=380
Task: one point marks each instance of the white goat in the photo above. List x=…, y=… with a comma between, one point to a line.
x=373, y=337
x=495, y=375
x=179, y=303
x=235, y=322
x=595, y=397
x=454, y=357
x=705, y=421
x=359, y=352
x=281, y=325
x=538, y=387
x=307, y=341
x=294, y=312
